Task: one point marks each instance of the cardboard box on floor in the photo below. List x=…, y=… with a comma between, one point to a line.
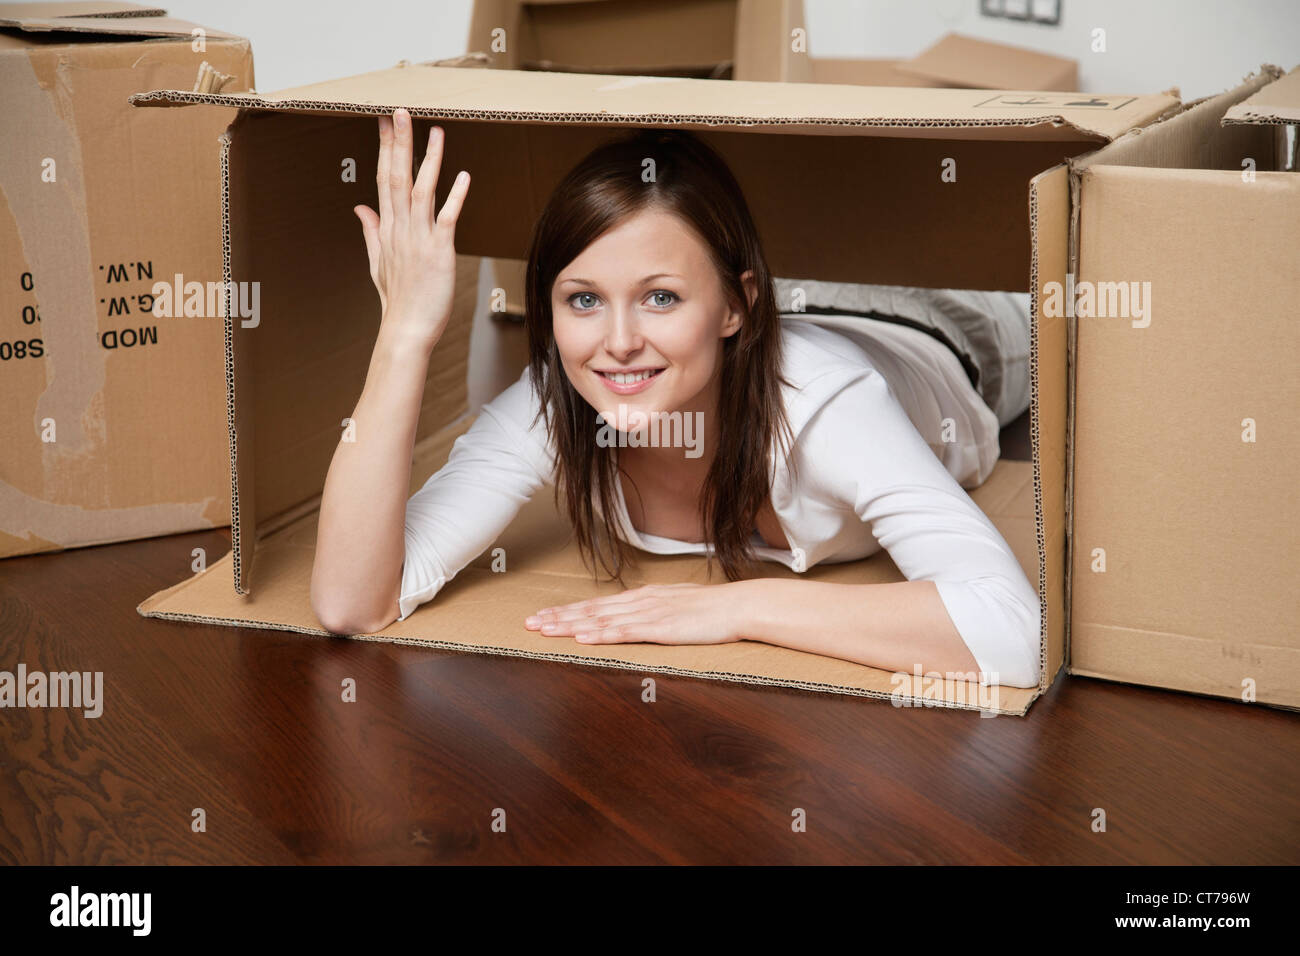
x=115, y=419
x=871, y=206
x=1185, y=453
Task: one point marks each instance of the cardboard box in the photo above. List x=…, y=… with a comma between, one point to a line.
x=706, y=39
x=1185, y=455
x=965, y=62
x=874, y=156
x=115, y=418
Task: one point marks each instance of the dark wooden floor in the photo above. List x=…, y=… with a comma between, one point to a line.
x=249, y=726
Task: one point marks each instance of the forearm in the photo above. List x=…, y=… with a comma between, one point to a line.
x=359, y=543
x=898, y=626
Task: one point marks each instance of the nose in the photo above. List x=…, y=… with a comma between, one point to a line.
x=622, y=332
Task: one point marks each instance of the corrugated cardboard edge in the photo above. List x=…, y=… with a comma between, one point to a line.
x=1040, y=521
x=1277, y=104
x=752, y=679
x=293, y=105
x=228, y=328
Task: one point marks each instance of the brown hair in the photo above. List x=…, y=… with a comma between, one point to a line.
x=693, y=182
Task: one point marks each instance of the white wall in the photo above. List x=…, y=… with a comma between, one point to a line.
x=1201, y=46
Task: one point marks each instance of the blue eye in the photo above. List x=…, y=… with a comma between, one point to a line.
x=671, y=295
x=579, y=295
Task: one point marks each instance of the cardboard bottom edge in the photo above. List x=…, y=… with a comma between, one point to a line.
x=1151, y=684
x=544, y=570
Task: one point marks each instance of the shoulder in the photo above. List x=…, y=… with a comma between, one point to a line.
x=830, y=379
x=812, y=351
x=512, y=420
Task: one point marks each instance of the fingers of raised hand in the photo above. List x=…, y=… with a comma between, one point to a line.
x=422, y=191
x=399, y=169
x=370, y=232
x=381, y=171
x=451, y=206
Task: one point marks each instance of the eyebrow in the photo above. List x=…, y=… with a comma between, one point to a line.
x=657, y=275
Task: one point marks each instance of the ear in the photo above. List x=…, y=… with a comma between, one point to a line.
x=736, y=318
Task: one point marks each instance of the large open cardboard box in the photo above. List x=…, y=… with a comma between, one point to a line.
x=845, y=184
x=1185, y=451
x=114, y=423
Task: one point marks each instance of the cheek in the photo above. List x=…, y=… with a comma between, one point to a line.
x=693, y=347
x=573, y=340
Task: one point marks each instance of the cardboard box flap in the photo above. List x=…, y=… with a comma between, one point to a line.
x=124, y=20
x=1276, y=104
x=449, y=92
x=965, y=61
x=44, y=11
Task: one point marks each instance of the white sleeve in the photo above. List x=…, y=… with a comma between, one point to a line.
x=864, y=451
x=492, y=471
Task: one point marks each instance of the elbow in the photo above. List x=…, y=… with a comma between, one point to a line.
x=341, y=614
x=347, y=621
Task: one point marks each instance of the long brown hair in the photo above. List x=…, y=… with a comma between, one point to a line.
x=693, y=182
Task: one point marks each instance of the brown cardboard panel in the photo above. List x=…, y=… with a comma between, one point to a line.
x=972, y=232
x=765, y=39
x=136, y=399
x=619, y=32
x=744, y=39
x=1049, y=216
x=1276, y=103
x=962, y=61
x=816, y=109
x=297, y=373
x=1197, y=525
x=1187, y=663
x=862, y=72
x=482, y=611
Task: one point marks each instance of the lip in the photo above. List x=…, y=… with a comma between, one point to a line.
x=632, y=388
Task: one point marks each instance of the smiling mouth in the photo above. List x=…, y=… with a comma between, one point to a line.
x=630, y=378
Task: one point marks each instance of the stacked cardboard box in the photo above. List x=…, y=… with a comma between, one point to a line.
x=115, y=412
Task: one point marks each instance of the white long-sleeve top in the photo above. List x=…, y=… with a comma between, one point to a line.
x=867, y=479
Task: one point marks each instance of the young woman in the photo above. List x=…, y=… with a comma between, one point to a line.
x=647, y=294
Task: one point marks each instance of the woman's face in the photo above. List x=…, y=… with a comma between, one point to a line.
x=639, y=319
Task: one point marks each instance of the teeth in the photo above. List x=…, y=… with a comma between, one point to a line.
x=624, y=378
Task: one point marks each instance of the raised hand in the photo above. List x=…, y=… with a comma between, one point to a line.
x=412, y=253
